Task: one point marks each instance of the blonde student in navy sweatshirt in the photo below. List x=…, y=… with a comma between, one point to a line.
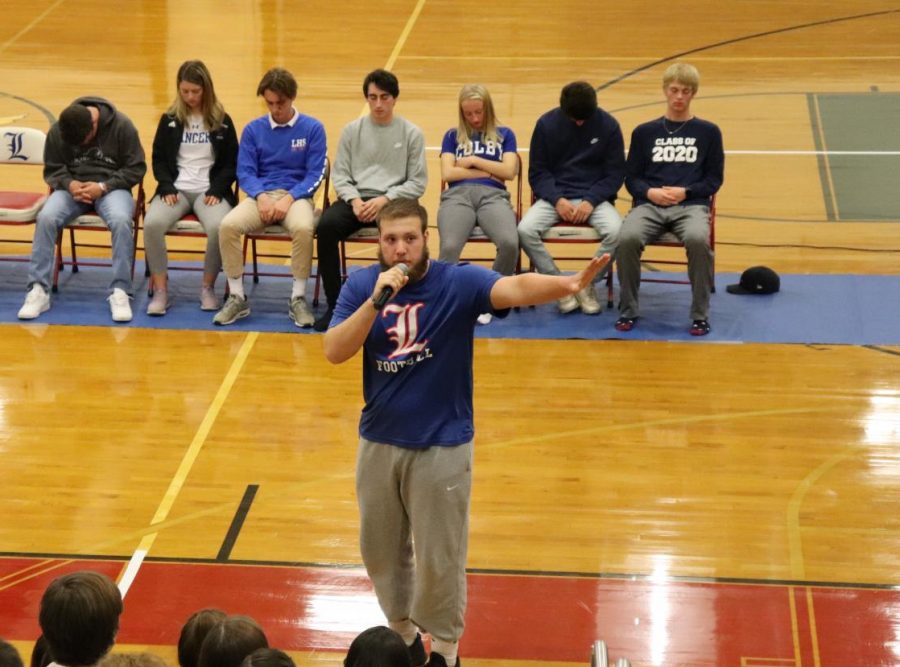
x=675, y=164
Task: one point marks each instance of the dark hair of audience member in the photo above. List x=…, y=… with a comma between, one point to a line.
x=133, y=660
x=40, y=654
x=578, y=100
x=9, y=655
x=79, y=617
x=194, y=631
x=75, y=124
x=383, y=80
x=378, y=647
x=268, y=657
x=230, y=641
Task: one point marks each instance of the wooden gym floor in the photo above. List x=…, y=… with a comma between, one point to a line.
x=691, y=504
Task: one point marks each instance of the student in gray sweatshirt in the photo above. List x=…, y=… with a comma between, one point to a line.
x=380, y=157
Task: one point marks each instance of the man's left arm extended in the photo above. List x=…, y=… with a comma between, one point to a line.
x=531, y=289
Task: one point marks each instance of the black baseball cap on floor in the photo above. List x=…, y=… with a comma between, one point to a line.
x=757, y=280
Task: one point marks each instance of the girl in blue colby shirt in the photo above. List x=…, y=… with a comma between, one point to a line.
x=477, y=158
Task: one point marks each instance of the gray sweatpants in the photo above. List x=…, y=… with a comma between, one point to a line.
x=647, y=223
x=161, y=218
x=414, y=531
x=464, y=206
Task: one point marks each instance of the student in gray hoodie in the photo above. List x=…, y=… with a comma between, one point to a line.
x=92, y=160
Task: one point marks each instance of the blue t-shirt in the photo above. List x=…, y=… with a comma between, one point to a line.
x=488, y=150
x=417, y=358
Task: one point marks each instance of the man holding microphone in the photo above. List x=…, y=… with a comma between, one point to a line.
x=414, y=464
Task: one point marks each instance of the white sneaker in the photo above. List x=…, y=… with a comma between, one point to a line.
x=158, y=304
x=587, y=299
x=119, y=306
x=37, y=301
x=567, y=304
x=485, y=318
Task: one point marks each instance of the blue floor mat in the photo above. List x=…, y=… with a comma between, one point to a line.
x=839, y=309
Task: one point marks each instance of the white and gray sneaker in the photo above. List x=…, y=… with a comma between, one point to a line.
x=300, y=312
x=119, y=306
x=485, y=318
x=37, y=301
x=235, y=308
x=567, y=304
x=587, y=299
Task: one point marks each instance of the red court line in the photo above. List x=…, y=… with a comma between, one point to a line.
x=510, y=617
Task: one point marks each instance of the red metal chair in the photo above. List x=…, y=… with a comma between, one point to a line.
x=188, y=227
x=571, y=233
x=369, y=235
x=18, y=208
x=669, y=240
x=279, y=233
x=92, y=222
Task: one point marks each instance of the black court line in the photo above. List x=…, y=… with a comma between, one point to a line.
x=562, y=574
x=745, y=38
x=46, y=112
x=878, y=348
x=237, y=523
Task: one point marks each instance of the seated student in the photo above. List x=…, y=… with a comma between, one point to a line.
x=380, y=158
x=675, y=164
x=230, y=641
x=194, y=631
x=576, y=167
x=79, y=617
x=268, y=657
x=380, y=647
x=281, y=164
x=477, y=157
x=92, y=160
x=194, y=161
x=9, y=655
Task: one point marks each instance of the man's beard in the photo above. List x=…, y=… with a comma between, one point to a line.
x=416, y=271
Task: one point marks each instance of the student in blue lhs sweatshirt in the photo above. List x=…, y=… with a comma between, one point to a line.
x=281, y=163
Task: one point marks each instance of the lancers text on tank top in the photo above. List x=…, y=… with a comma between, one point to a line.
x=195, y=157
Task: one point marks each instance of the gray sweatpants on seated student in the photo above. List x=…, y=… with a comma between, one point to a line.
x=416, y=496
x=161, y=218
x=542, y=215
x=646, y=223
x=464, y=206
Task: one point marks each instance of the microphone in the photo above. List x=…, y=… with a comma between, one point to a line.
x=388, y=291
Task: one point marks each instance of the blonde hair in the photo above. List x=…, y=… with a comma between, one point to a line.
x=464, y=132
x=194, y=71
x=682, y=73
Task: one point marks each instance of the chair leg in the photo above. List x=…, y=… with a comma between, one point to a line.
x=255, y=261
x=74, y=252
x=58, y=263
x=609, y=287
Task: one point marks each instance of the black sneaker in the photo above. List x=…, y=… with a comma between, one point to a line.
x=321, y=324
x=437, y=660
x=699, y=328
x=417, y=655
